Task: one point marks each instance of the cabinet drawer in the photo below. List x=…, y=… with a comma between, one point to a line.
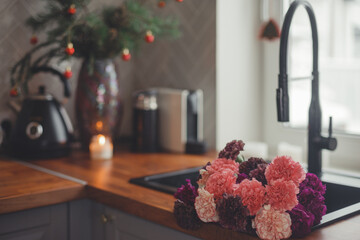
x=39, y=223
x=18, y=221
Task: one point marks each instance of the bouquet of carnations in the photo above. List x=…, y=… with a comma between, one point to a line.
x=273, y=200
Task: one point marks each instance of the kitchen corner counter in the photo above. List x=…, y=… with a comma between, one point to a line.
x=108, y=183
x=23, y=188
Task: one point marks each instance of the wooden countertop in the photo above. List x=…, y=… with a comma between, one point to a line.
x=22, y=188
x=107, y=183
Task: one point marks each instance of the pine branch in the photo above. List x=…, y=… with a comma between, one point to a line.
x=95, y=35
x=20, y=71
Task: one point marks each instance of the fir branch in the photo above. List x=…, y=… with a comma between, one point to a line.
x=95, y=35
x=19, y=72
x=46, y=56
x=27, y=76
x=31, y=52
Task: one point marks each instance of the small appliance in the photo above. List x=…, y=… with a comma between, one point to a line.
x=145, y=121
x=43, y=128
x=181, y=120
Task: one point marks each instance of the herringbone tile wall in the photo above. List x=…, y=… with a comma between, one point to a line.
x=187, y=63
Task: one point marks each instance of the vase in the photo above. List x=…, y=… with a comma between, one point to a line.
x=98, y=106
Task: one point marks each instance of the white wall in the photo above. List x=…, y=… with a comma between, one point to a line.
x=238, y=77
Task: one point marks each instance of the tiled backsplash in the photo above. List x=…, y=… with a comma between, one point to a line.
x=188, y=62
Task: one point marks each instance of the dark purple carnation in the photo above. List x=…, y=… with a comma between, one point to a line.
x=232, y=150
x=312, y=181
x=233, y=214
x=251, y=164
x=186, y=216
x=259, y=173
x=301, y=221
x=311, y=196
x=241, y=177
x=187, y=193
x=314, y=202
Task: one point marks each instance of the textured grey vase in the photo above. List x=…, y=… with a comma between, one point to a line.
x=98, y=105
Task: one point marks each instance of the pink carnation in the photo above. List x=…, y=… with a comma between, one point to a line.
x=205, y=206
x=281, y=195
x=271, y=224
x=252, y=193
x=285, y=168
x=221, y=182
x=222, y=163
x=204, y=177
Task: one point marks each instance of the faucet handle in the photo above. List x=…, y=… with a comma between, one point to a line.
x=329, y=143
x=330, y=126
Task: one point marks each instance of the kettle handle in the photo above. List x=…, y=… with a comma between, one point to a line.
x=48, y=69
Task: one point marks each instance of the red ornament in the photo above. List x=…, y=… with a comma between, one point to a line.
x=126, y=56
x=149, y=37
x=33, y=40
x=68, y=73
x=72, y=9
x=179, y=0
x=70, y=49
x=14, y=92
x=161, y=4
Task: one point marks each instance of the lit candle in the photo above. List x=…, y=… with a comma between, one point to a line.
x=101, y=147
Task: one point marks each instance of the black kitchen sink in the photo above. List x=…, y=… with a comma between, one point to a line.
x=168, y=182
x=342, y=196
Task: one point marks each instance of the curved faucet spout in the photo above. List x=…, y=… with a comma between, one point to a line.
x=282, y=91
x=315, y=141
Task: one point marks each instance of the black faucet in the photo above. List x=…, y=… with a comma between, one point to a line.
x=316, y=142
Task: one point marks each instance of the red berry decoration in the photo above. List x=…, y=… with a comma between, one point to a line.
x=126, y=56
x=68, y=73
x=149, y=37
x=33, y=40
x=72, y=9
x=14, y=92
x=179, y=0
x=70, y=49
x=161, y=4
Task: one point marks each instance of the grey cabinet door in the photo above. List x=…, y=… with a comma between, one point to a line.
x=35, y=224
x=123, y=226
x=85, y=221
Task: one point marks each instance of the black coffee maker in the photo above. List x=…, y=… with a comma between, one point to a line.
x=145, y=121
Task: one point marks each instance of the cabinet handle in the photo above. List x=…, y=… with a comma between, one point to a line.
x=106, y=219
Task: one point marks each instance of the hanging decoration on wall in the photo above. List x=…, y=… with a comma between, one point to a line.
x=33, y=39
x=72, y=9
x=149, y=37
x=270, y=29
x=161, y=4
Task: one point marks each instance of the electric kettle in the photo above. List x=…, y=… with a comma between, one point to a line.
x=42, y=129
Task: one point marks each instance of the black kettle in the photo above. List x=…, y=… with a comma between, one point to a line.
x=43, y=129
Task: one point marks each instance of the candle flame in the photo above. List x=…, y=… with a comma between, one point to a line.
x=99, y=126
x=101, y=139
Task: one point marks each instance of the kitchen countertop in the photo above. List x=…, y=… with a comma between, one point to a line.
x=22, y=188
x=107, y=183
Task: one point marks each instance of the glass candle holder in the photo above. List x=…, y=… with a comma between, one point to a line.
x=101, y=147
